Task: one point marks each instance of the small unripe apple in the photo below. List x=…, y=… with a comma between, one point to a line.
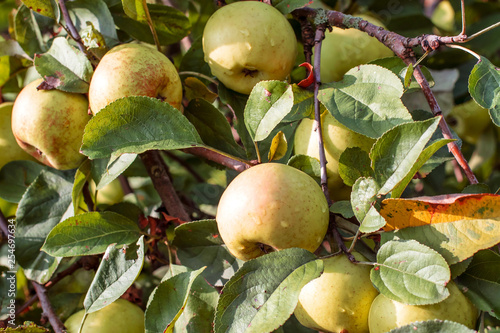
x=49, y=125
x=339, y=300
x=119, y=316
x=8, y=145
x=386, y=314
x=343, y=49
x=109, y=194
x=336, y=139
x=272, y=205
x=248, y=41
x=134, y=70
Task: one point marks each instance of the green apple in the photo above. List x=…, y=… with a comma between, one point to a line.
x=336, y=139
x=8, y=145
x=469, y=120
x=109, y=194
x=343, y=49
x=119, y=316
x=246, y=42
x=272, y=205
x=339, y=300
x=386, y=314
x=49, y=125
x=134, y=70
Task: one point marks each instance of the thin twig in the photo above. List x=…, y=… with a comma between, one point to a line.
x=158, y=171
x=479, y=33
x=71, y=27
x=228, y=161
x=462, y=7
x=151, y=25
x=185, y=165
x=320, y=35
x=48, y=311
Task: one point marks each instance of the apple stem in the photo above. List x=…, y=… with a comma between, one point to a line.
x=151, y=25
x=320, y=35
x=47, y=308
x=224, y=159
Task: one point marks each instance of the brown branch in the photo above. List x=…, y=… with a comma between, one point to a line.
x=320, y=35
x=308, y=34
x=48, y=311
x=158, y=171
x=127, y=189
x=225, y=160
x=71, y=27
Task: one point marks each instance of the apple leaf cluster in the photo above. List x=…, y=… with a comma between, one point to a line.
x=255, y=248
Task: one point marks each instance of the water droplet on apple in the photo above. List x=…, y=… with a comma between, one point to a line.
x=284, y=224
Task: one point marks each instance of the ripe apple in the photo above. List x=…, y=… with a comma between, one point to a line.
x=49, y=125
x=386, y=314
x=339, y=300
x=119, y=316
x=336, y=139
x=273, y=205
x=469, y=120
x=343, y=49
x=8, y=145
x=134, y=70
x=246, y=42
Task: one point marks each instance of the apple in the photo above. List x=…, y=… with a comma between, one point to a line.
x=387, y=314
x=109, y=194
x=119, y=316
x=339, y=300
x=246, y=42
x=272, y=206
x=8, y=145
x=343, y=49
x=8, y=209
x=336, y=139
x=49, y=125
x=134, y=70
x=469, y=120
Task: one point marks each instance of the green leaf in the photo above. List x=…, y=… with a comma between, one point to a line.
x=482, y=282
x=407, y=74
x=455, y=241
x=90, y=233
x=44, y=7
x=95, y=12
x=433, y=326
x=16, y=176
x=308, y=164
x=353, y=164
x=303, y=105
x=104, y=172
x=170, y=24
x=27, y=327
x=81, y=177
x=363, y=200
x=279, y=147
x=27, y=32
x=367, y=100
x=64, y=67
x=135, y=125
x=484, y=86
x=212, y=127
x=268, y=103
x=117, y=272
x=395, y=154
x=198, y=314
x=44, y=204
x=199, y=244
x=263, y=294
x=342, y=207
x=398, y=67
x=134, y=9
x=411, y=273
x=287, y=6
x=168, y=301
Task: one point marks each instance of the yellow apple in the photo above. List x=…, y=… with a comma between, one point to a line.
x=273, y=205
x=386, y=314
x=343, y=49
x=119, y=316
x=109, y=194
x=336, y=139
x=339, y=300
x=8, y=145
x=469, y=120
x=49, y=125
x=134, y=70
x=246, y=42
